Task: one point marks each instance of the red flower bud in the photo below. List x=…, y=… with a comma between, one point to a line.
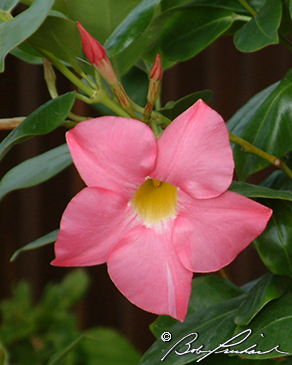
x=97, y=56
x=156, y=71
x=155, y=81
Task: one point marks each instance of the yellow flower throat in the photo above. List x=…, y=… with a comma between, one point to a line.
x=155, y=201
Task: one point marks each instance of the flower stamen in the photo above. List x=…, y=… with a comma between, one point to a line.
x=155, y=201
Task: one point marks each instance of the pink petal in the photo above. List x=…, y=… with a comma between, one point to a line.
x=194, y=153
x=113, y=153
x=146, y=269
x=93, y=223
x=209, y=234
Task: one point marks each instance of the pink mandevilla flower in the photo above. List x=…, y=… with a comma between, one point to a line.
x=156, y=210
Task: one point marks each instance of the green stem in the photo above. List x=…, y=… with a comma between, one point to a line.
x=159, y=118
x=66, y=72
x=116, y=108
x=248, y=7
x=243, y=18
x=248, y=147
x=11, y=123
x=4, y=16
x=77, y=118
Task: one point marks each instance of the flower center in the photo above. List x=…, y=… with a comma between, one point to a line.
x=155, y=201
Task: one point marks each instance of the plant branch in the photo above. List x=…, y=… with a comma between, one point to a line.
x=248, y=7
x=248, y=147
x=66, y=72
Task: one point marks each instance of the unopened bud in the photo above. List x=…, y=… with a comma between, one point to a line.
x=147, y=111
x=155, y=81
x=97, y=56
x=122, y=96
x=50, y=78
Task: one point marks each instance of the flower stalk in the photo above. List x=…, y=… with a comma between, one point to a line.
x=248, y=147
x=97, y=56
x=155, y=81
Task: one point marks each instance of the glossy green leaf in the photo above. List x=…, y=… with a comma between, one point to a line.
x=131, y=79
x=123, y=61
x=206, y=291
x=214, y=325
x=42, y=241
x=290, y=8
x=269, y=129
x=279, y=180
x=43, y=120
x=193, y=28
x=59, y=36
x=272, y=327
x=268, y=288
x=274, y=245
x=61, y=6
x=258, y=191
x=131, y=27
x=105, y=346
x=15, y=31
x=262, y=29
x=233, y=5
x=100, y=17
x=36, y=170
x=153, y=45
x=173, y=109
x=219, y=359
x=22, y=52
x=8, y=5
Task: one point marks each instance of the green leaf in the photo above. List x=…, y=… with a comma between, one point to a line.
x=60, y=37
x=131, y=27
x=268, y=288
x=15, y=31
x=131, y=79
x=36, y=170
x=257, y=191
x=270, y=328
x=22, y=53
x=174, y=109
x=193, y=28
x=274, y=245
x=279, y=180
x=269, y=128
x=261, y=30
x=3, y=355
x=100, y=17
x=61, y=6
x=8, y=5
x=42, y=121
x=214, y=325
x=206, y=291
x=153, y=45
x=55, y=359
x=233, y=5
x=42, y=241
x=104, y=346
